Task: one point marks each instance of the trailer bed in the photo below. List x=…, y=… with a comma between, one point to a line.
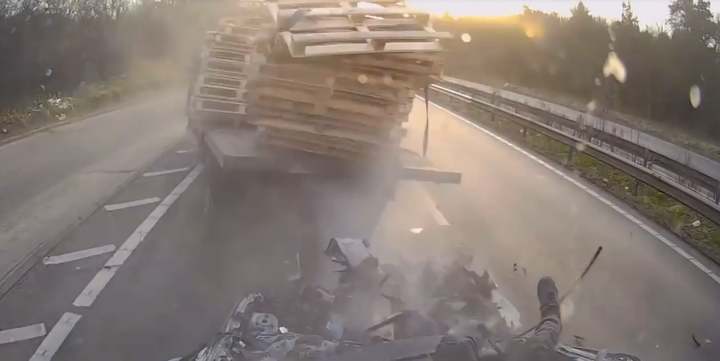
x=237, y=150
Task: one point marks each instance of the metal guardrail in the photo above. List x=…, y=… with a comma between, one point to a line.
x=689, y=169
x=688, y=197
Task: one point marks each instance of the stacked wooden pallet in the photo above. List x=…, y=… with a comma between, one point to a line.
x=338, y=79
x=228, y=58
x=342, y=75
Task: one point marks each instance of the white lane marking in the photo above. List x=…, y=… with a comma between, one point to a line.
x=140, y=202
x=627, y=215
x=183, y=151
x=103, y=277
x=22, y=333
x=163, y=172
x=429, y=203
x=74, y=256
x=56, y=337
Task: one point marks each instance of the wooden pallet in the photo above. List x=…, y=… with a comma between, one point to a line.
x=340, y=23
x=221, y=93
x=282, y=16
x=227, y=67
x=236, y=29
x=223, y=81
x=229, y=54
x=344, y=75
x=264, y=101
x=326, y=89
x=374, y=128
x=323, y=104
x=235, y=39
x=362, y=42
x=203, y=103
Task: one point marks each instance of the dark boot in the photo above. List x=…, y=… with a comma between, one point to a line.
x=547, y=294
x=547, y=334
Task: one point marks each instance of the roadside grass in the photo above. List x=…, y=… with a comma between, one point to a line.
x=687, y=224
x=57, y=107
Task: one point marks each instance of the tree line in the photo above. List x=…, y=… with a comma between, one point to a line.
x=50, y=46
x=666, y=73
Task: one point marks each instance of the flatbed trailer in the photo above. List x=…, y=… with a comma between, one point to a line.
x=237, y=167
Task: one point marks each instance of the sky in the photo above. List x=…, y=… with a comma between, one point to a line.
x=649, y=12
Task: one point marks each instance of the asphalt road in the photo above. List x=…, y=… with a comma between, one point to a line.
x=183, y=261
x=50, y=180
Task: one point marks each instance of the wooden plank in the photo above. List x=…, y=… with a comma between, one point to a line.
x=227, y=54
x=348, y=24
x=322, y=3
x=221, y=93
x=219, y=80
x=218, y=105
x=231, y=38
x=239, y=29
x=361, y=93
x=367, y=35
x=338, y=103
x=327, y=12
x=332, y=113
x=349, y=123
x=302, y=50
x=397, y=64
x=227, y=66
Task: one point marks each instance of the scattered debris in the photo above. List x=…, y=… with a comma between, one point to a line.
x=416, y=230
x=697, y=344
x=515, y=267
x=4, y=131
x=61, y=117
x=579, y=340
x=605, y=180
x=707, y=341
x=696, y=223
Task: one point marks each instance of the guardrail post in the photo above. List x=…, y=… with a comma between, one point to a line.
x=525, y=130
x=570, y=157
x=716, y=195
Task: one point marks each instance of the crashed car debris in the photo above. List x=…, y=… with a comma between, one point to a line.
x=308, y=322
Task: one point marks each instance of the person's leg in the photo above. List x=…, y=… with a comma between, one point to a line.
x=547, y=335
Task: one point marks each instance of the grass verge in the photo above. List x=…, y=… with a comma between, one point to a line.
x=53, y=108
x=687, y=224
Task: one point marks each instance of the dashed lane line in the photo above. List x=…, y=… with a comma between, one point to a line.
x=56, y=337
x=103, y=277
x=74, y=256
x=139, y=202
x=164, y=172
x=596, y=195
x=22, y=333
